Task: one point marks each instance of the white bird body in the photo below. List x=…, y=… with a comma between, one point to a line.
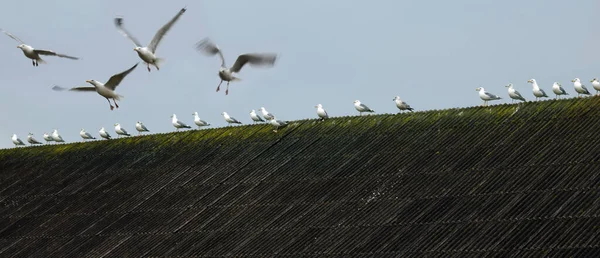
x=32, y=140
x=362, y=107
x=514, y=94
x=199, y=122
x=178, y=124
x=34, y=54
x=321, y=112
x=85, y=135
x=120, y=130
x=402, y=105
x=229, y=119
x=596, y=84
x=255, y=117
x=580, y=88
x=56, y=137
x=266, y=113
x=558, y=89
x=47, y=137
x=537, y=91
x=104, y=134
x=140, y=127
x=278, y=123
x=486, y=96
x=16, y=140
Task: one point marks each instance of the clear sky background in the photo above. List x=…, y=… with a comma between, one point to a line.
x=433, y=54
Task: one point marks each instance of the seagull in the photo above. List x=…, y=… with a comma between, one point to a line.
x=266, y=113
x=486, y=96
x=321, y=112
x=104, y=134
x=596, y=84
x=16, y=140
x=255, y=117
x=34, y=54
x=120, y=131
x=402, y=105
x=32, y=140
x=537, y=92
x=140, y=127
x=230, y=119
x=85, y=135
x=56, y=137
x=178, y=124
x=199, y=122
x=580, y=88
x=227, y=74
x=362, y=107
x=48, y=138
x=278, y=124
x=514, y=94
x=106, y=90
x=558, y=90
x=148, y=53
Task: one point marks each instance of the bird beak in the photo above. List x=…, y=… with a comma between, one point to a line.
x=88, y=81
x=573, y=80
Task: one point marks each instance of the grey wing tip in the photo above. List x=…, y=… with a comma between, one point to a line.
x=57, y=88
x=119, y=21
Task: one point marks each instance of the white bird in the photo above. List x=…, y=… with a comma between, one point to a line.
x=514, y=94
x=266, y=113
x=104, y=134
x=148, y=54
x=596, y=85
x=486, y=96
x=48, y=138
x=16, y=140
x=178, y=124
x=120, y=131
x=199, y=122
x=56, y=137
x=537, y=91
x=255, y=117
x=278, y=124
x=229, y=119
x=106, y=90
x=34, y=54
x=228, y=74
x=32, y=140
x=580, y=88
x=140, y=127
x=321, y=112
x=402, y=105
x=362, y=107
x=558, y=90
x=85, y=135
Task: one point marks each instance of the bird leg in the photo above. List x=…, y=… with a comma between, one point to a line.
x=115, y=103
x=111, y=106
x=33, y=62
x=147, y=64
x=219, y=86
x=227, y=90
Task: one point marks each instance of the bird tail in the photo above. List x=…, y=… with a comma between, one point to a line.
x=41, y=61
x=187, y=126
x=235, y=79
x=410, y=109
x=118, y=97
x=158, y=61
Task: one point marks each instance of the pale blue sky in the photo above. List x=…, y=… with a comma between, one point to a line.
x=433, y=54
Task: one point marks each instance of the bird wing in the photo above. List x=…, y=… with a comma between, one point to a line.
x=208, y=47
x=20, y=142
x=519, y=96
x=563, y=90
x=144, y=128
x=181, y=124
x=34, y=141
x=124, y=32
x=543, y=93
x=52, y=53
x=363, y=106
x=255, y=59
x=163, y=30
x=12, y=36
x=114, y=80
x=58, y=88
x=491, y=95
x=585, y=89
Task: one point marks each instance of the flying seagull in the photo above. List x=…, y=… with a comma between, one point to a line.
x=266, y=113
x=227, y=74
x=486, y=96
x=34, y=54
x=514, y=94
x=178, y=124
x=104, y=134
x=580, y=88
x=121, y=131
x=558, y=90
x=56, y=137
x=321, y=112
x=140, y=127
x=85, y=135
x=148, y=53
x=362, y=107
x=16, y=140
x=402, y=105
x=230, y=119
x=32, y=140
x=537, y=91
x=106, y=90
x=255, y=117
x=199, y=122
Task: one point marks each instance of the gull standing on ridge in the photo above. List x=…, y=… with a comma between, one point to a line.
x=199, y=122
x=56, y=137
x=227, y=74
x=32, y=140
x=140, y=127
x=514, y=94
x=120, y=131
x=321, y=112
x=266, y=113
x=537, y=91
x=104, y=134
x=178, y=124
x=362, y=107
x=558, y=90
x=34, y=54
x=148, y=53
x=486, y=96
x=48, y=138
x=85, y=135
x=580, y=88
x=596, y=85
x=16, y=140
x=230, y=120
x=278, y=124
x=402, y=105
x=106, y=90
x=255, y=117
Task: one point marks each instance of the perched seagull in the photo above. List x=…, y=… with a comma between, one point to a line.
x=85, y=135
x=362, y=107
x=148, y=53
x=48, y=138
x=199, y=122
x=178, y=124
x=321, y=112
x=120, y=131
x=104, y=134
x=537, y=92
x=106, y=90
x=140, y=127
x=580, y=88
x=278, y=124
x=34, y=54
x=16, y=140
x=401, y=104
x=255, y=117
x=514, y=94
x=558, y=90
x=230, y=119
x=596, y=84
x=486, y=96
x=56, y=137
x=32, y=140
x=266, y=113
x=227, y=74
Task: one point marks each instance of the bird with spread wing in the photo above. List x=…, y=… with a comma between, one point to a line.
x=34, y=54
